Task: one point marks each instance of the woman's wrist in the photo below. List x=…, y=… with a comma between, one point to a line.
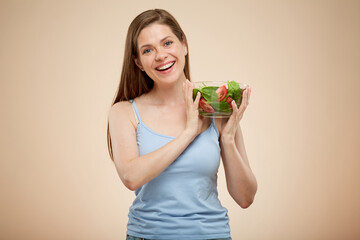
x=188, y=135
x=227, y=139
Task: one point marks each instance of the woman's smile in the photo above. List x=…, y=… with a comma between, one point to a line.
x=165, y=67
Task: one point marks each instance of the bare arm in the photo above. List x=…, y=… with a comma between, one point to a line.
x=135, y=170
x=240, y=180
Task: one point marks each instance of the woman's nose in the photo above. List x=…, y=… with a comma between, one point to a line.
x=160, y=56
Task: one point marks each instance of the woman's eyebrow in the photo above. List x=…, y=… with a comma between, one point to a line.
x=148, y=45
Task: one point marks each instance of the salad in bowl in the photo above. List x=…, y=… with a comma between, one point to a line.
x=216, y=97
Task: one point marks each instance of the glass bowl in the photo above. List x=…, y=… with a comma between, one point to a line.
x=216, y=97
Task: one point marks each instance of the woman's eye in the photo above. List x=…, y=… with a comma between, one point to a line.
x=168, y=43
x=146, y=51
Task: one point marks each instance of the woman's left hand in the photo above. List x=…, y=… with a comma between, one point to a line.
x=229, y=129
x=240, y=180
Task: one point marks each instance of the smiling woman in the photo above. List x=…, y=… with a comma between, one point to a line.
x=163, y=149
x=162, y=54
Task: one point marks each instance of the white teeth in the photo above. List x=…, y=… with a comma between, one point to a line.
x=165, y=66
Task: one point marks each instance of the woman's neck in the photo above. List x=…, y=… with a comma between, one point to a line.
x=167, y=94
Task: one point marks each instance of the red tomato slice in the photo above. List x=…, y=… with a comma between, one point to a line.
x=229, y=100
x=205, y=106
x=221, y=92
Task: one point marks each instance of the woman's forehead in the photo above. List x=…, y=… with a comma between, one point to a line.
x=154, y=33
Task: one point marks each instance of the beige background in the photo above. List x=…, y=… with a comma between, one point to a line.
x=60, y=63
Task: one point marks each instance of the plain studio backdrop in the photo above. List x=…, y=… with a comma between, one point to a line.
x=60, y=64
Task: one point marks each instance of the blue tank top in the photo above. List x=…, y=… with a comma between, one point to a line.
x=181, y=202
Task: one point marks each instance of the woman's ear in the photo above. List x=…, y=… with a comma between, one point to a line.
x=138, y=63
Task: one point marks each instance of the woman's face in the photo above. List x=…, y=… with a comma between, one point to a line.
x=161, y=54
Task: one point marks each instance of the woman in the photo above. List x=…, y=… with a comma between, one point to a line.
x=163, y=150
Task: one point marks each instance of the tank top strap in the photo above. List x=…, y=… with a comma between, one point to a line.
x=137, y=115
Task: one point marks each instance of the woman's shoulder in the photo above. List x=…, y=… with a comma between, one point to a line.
x=122, y=112
x=119, y=107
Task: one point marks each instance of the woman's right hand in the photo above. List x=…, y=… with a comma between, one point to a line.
x=193, y=120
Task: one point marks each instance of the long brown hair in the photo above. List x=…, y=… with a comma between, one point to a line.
x=133, y=81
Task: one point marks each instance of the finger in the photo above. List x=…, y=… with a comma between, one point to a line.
x=191, y=92
x=190, y=85
x=235, y=110
x=245, y=98
x=248, y=97
x=232, y=118
x=197, y=100
x=188, y=91
x=244, y=102
x=234, y=107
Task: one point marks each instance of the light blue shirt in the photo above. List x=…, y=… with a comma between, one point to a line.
x=181, y=202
